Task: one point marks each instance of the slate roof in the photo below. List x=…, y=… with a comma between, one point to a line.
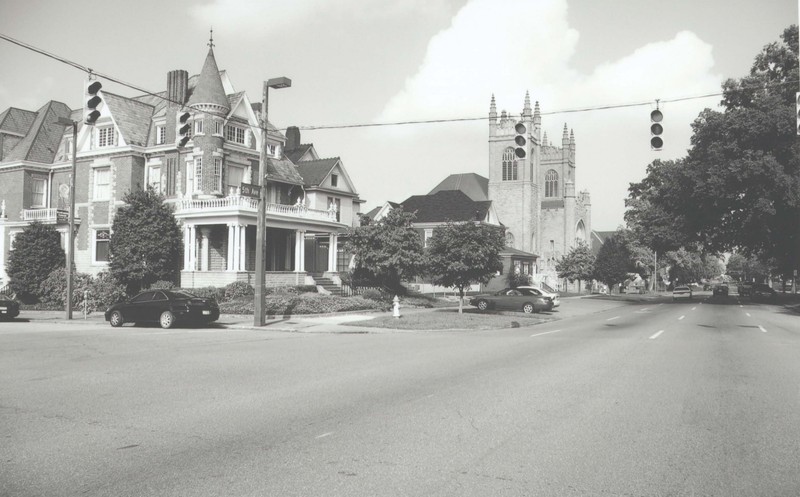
x=446, y=205
x=296, y=154
x=283, y=170
x=41, y=142
x=209, y=89
x=18, y=121
x=133, y=117
x=315, y=171
x=473, y=185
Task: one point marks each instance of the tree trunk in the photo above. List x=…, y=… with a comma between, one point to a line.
x=460, y=300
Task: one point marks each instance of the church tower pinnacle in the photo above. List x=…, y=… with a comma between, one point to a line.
x=526, y=111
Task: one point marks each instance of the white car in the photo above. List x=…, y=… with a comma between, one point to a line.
x=544, y=293
x=682, y=292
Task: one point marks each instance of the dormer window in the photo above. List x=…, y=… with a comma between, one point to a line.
x=272, y=149
x=106, y=136
x=234, y=134
x=161, y=135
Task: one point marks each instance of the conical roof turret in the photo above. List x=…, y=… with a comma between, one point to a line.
x=209, y=94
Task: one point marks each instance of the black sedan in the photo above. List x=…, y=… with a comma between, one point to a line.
x=762, y=292
x=9, y=308
x=515, y=299
x=165, y=307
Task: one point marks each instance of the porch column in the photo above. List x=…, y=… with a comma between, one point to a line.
x=187, y=249
x=193, y=248
x=205, y=231
x=242, y=265
x=230, y=265
x=332, y=248
x=299, y=251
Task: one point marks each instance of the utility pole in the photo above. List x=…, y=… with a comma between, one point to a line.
x=71, y=227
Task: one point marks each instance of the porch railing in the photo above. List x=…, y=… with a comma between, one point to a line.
x=251, y=204
x=39, y=214
x=301, y=211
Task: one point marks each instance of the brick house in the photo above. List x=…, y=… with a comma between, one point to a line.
x=310, y=201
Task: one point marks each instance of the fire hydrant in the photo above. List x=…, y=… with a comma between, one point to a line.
x=396, y=307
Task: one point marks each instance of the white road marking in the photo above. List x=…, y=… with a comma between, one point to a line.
x=693, y=308
x=324, y=435
x=545, y=333
x=681, y=318
x=611, y=319
x=762, y=328
x=656, y=334
x=748, y=314
x=645, y=309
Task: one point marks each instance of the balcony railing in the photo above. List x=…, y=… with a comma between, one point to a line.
x=249, y=204
x=39, y=214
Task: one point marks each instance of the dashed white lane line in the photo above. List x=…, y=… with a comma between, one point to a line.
x=748, y=314
x=693, y=308
x=324, y=435
x=611, y=319
x=681, y=318
x=656, y=334
x=545, y=333
x=762, y=329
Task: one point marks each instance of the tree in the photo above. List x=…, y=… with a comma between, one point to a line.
x=460, y=254
x=388, y=250
x=746, y=268
x=737, y=189
x=35, y=254
x=146, y=242
x=614, y=260
x=578, y=264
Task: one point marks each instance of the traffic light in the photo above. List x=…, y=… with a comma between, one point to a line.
x=797, y=99
x=656, y=142
x=92, y=101
x=520, y=140
x=184, y=129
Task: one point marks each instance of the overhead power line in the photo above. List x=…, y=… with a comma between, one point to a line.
x=113, y=79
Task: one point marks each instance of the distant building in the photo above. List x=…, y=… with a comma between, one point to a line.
x=310, y=200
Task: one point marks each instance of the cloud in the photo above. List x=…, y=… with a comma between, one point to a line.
x=486, y=50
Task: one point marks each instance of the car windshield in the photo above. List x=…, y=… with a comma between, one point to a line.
x=184, y=295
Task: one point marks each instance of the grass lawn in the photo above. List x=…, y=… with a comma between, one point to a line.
x=450, y=319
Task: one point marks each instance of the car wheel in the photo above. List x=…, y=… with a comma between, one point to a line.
x=166, y=320
x=116, y=319
x=528, y=308
x=483, y=305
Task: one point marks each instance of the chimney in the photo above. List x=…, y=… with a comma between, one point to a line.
x=177, y=86
x=292, y=137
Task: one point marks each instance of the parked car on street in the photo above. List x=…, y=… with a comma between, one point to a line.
x=744, y=289
x=721, y=290
x=165, y=307
x=544, y=293
x=762, y=292
x=9, y=308
x=681, y=292
x=514, y=299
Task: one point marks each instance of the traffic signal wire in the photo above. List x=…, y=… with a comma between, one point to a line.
x=92, y=72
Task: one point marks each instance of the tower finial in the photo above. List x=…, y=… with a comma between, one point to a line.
x=211, y=38
x=526, y=110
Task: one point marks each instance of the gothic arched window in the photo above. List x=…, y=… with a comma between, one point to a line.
x=509, y=240
x=509, y=165
x=580, y=232
x=551, y=184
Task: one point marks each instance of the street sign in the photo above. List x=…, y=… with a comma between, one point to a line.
x=62, y=216
x=248, y=190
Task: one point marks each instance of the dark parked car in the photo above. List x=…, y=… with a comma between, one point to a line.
x=745, y=289
x=9, y=308
x=515, y=299
x=165, y=307
x=762, y=292
x=721, y=290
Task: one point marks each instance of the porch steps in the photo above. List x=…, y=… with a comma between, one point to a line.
x=328, y=285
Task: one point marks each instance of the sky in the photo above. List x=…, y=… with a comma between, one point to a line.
x=355, y=62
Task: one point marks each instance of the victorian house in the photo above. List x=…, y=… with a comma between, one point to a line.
x=197, y=143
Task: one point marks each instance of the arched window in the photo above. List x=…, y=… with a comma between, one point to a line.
x=551, y=184
x=509, y=165
x=509, y=240
x=580, y=232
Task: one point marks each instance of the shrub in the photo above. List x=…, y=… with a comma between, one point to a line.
x=37, y=252
x=372, y=294
x=238, y=289
x=162, y=285
x=105, y=291
x=217, y=294
x=306, y=289
x=515, y=279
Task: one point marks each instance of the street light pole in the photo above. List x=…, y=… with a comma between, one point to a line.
x=261, y=222
x=71, y=228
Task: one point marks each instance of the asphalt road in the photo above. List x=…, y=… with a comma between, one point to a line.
x=655, y=399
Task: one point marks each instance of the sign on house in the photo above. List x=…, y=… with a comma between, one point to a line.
x=248, y=190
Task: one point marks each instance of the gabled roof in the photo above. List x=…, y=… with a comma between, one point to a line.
x=132, y=117
x=314, y=172
x=372, y=214
x=17, y=121
x=209, y=89
x=512, y=252
x=297, y=153
x=598, y=238
x=446, y=205
x=473, y=185
x=41, y=142
x=283, y=170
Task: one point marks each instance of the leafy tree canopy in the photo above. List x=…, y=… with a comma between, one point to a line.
x=146, y=242
x=464, y=253
x=577, y=264
x=390, y=249
x=614, y=260
x=739, y=185
x=36, y=253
